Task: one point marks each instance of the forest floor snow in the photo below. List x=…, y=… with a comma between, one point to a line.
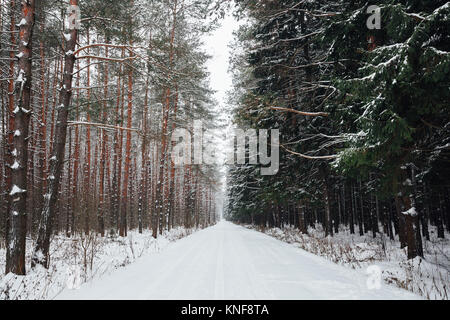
x=77, y=260
x=227, y=261
x=428, y=277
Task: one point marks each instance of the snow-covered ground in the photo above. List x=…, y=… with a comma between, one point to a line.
x=429, y=277
x=74, y=261
x=227, y=261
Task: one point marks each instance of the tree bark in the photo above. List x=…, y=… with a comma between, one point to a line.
x=40, y=254
x=301, y=218
x=15, y=253
x=123, y=210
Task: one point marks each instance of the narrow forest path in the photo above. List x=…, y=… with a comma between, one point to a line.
x=227, y=261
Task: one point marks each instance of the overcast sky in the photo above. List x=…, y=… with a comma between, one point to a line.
x=216, y=44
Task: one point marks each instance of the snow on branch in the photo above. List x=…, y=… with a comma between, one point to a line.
x=107, y=59
x=411, y=212
x=92, y=45
x=334, y=156
x=15, y=189
x=303, y=113
x=100, y=125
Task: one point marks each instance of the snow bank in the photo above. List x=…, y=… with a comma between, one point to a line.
x=77, y=260
x=429, y=277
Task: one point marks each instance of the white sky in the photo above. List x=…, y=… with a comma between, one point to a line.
x=216, y=44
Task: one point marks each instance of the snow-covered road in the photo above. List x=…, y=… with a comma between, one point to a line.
x=227, y=261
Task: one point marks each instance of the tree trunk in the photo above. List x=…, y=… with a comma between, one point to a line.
x=76, y=160
x=351, y=208
x=40, y=255
x=326, y=198
x=301, y=218
x=104, y=142
x=123, y=210
x=10, y=134
x=42, y=155
x=142, y=201
x=15, y=253
x=413, y=238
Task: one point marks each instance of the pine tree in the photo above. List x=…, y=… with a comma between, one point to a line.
x=20, y=118
x=399, y=88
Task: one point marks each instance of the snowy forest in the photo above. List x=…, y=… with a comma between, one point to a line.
x=363, y=116
x=93, y=92
x=86, y=120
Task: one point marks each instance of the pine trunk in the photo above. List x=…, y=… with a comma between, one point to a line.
x=41, y=251
x=15, y=253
